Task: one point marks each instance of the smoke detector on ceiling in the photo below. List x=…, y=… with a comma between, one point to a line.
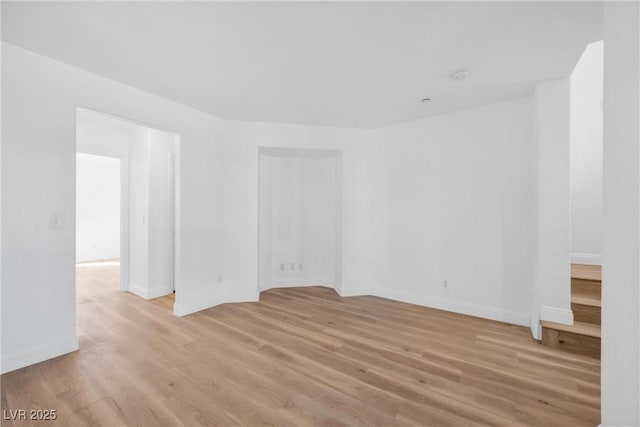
x=460, y=75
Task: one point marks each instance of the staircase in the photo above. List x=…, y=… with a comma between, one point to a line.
x=583, y=337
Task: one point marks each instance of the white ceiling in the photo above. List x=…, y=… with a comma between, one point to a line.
x=353, y=64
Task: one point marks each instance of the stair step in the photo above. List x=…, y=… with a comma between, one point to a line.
x=592, y=288
x=586, y=272
x=589, y=300
x=578, y=328
x=586, y=313
x=579, y=338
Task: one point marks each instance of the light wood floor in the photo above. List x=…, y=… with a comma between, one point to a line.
x=300, y=356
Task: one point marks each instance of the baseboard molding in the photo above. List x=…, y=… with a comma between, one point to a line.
x=476, y=310
x=556, y=314
x=13, y=361
x=460, y=307
x=536, y=329
x=295, y=283
x=352, y=292
x=145, y=293
x=180, y=310
x=591, y=259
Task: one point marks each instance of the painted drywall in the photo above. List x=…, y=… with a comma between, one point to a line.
x=139, y=172
x=458, y=207
x=97, y=208
x=151, y=228
x=586, y=156
x=298, y=218
x=620, y=375
x=551, y=297
x=162, y=146
x=406, y=193
x=218, y=198
x=100, y=140
x=362, y=63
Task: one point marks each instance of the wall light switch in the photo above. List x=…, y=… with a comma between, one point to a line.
x=56, y=221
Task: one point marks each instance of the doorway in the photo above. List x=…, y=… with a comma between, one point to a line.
x=98, y=216
x=126, y=234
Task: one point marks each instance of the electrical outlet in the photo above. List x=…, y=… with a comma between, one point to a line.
x=219, y=279
x=300, y=267
x=292, y=266
x=445, y=283
x=282, y=267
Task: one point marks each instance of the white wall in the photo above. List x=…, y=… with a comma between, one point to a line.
x=218, y=198
x=621, y=217
x=139, y=173
x=552, y=260
x=101, y=140
x=458, y=207
x=446, y=198
x=298, y=218
x=150, y=214
x=220, y=263
x=586, y=156
x=97, y=207
x=162, y=148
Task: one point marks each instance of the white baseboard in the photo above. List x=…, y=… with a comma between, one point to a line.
x=189, y=308
x=146, y=293
x=20, y=359
x=591, y=259
x=476, y=310
x=536, y=329
x=295, y=283
x=352, y=292
x=557, y=315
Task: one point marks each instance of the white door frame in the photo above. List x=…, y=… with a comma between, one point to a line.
x=124, y=204
x=124, y=224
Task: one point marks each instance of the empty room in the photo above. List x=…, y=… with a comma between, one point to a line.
x=320, y=213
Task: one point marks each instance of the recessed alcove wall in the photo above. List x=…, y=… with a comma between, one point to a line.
x=300, y=218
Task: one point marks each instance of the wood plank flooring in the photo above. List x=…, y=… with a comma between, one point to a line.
x=300, y=356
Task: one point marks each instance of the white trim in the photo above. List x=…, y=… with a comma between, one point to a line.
x=556, y=314
x=294, y=283
x=492, y=313
x=144, y=292
x=536, y=329
x=124, y=223
x=352, y=292
x=177, y=214
x=590, y=259
x=186, y=309
x=20, y=359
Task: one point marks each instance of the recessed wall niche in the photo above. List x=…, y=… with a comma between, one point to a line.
x=300, y=225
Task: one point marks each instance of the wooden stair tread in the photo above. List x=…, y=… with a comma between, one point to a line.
x=579, y=328
x=586, y=272
x=586, y=300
